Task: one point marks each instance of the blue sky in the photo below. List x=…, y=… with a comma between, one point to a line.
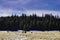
x=15, y=6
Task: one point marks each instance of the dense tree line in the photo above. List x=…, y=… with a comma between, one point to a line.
x=32, y=22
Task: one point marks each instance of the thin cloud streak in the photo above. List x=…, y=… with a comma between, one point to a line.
x=31, y=4
x=14, y=4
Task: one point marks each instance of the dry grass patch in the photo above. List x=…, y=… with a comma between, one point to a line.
x=30, y=36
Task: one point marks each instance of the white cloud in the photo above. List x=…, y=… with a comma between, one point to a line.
x=40, y=12
x=9, y=12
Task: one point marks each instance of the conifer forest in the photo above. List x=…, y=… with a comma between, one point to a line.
x=32, y=22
